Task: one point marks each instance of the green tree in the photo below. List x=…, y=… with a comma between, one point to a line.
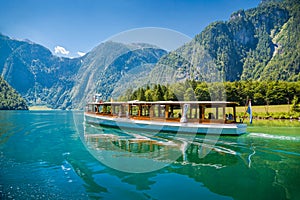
x=158, y=93
x=9, y=98
x=141, y=94
x=148, y=95
x=202, y=93
x=189, y=95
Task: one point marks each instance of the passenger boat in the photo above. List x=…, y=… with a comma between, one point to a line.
x=200, y=117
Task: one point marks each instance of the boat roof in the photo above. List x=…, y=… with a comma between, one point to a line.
x=136, y=102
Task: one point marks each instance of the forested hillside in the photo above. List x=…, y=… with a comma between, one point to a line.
x=257, y=44
x=285, y=61
x=9, y=98
x=260, y=43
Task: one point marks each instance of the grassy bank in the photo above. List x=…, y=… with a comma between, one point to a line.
x=269, y=112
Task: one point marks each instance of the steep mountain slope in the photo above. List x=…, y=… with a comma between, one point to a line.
x=9, y=98
x=260, y=43
x=191, y=61
x=104, y=66
x=42, y=78
x=285, y=61
x=268, y=20
x=35, y=73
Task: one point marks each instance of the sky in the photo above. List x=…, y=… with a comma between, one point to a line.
x=74, y=27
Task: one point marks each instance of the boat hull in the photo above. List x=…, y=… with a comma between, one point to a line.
x=161, y=126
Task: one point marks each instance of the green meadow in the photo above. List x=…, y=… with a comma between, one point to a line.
x=269, y=112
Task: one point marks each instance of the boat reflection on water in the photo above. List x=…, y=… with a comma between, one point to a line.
x=139, y=152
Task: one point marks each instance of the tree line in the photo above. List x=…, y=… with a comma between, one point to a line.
x=260, y=92
x=9, y=98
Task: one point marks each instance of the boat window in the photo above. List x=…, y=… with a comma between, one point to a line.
x=229, y=114
x=104, y=109
x=220, y=113
x=134, y=110
x=100, y=108
x=122, y=110
x=210, y=113
x=158, y=111
x=217, y=113
x=145, y=110
x=175, y=112
x=193, y=112
x=116, y=109
x=89, y=108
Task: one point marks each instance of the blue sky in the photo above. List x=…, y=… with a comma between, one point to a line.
x=80, y=25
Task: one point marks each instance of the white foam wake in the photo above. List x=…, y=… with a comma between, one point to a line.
x=278, y=137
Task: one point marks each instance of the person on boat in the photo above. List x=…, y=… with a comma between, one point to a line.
x=211, y=116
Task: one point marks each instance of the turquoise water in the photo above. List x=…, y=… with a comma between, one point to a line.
x=53, y=155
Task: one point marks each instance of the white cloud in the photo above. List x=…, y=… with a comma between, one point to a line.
x=80, y=53
x=62, y=50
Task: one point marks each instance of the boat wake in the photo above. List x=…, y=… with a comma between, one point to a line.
x=275, y=137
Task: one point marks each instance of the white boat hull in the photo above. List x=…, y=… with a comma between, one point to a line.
x=162, y=126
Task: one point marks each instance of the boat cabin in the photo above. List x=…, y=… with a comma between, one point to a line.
x=177, y=111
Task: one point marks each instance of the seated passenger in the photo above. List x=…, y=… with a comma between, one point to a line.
x=179, y=115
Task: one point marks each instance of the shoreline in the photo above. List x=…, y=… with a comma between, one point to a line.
x=39, y=108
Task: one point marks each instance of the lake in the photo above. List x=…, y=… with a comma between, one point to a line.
x=54, y=155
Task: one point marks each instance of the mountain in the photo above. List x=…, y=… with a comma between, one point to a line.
x=39, y=76
x=285, y=61
x=257, y=44
x=103, y=68
x=64, y=83
x=9, y=98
